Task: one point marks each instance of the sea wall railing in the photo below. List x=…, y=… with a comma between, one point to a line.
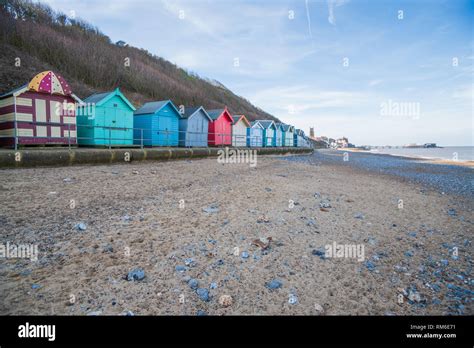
x=94, y=135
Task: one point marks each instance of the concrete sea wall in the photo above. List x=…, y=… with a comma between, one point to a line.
x=36, y=157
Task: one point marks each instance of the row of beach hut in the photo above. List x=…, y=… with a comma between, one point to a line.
x=45, y=111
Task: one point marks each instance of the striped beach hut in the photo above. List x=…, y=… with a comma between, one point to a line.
x=156, y=124
x=255, y=134
x=220, y=129
x=288, y=135
x=193, y=127
x=239, y=131
x=41, y=112
x=105, y=119
x=269, y=133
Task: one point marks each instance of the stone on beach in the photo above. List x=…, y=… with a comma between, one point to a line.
x=274, y=284
x=324, y=204
x=180, y=268
x=213, y=208
x=292, y=299
x=193, y=284
x=203, y=294
x=226, y=300
x=319, y=252
x=80, y=226
x=136, y=274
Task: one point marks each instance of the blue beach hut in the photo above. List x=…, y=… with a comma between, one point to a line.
x=255, y=134
x=157, y=124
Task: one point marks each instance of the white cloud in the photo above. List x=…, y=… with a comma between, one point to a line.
x=465, y=92
x=331, y=5
x=375, y=82
x=300, y=99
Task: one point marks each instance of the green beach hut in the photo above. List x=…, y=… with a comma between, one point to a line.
x=105, y=119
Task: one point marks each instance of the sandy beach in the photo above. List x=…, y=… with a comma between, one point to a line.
x=196, y=220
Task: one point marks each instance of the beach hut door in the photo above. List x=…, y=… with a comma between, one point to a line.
x=194, y=130
x=164, y=135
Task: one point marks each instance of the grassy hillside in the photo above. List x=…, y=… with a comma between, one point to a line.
x=47, y=40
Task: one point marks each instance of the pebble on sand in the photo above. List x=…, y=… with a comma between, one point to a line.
x=136, y=274
x=370, y=266
x=193, y=283
x=226, y=300
x=325, y=204
x=274, y=284
x=319, y=309
x=80, y=226
x=292, y=299
x=319, y=252
x=203, y=294
x=213, y=208
x=189, y=262
x=180, y=268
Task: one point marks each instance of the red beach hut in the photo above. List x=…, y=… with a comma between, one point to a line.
x=220, y=129
x=39, y=113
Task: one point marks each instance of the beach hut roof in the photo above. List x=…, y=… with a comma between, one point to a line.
x=267, y=123
x=155, y=106
x=101, y=98
x=25, y=88
x=299, y=132
x=288, y=127
x=215, y=113
x=15, y=91
x=280, y=125
x=256, y=124
x=237, y=118
x=49, y=82
x=188, y=112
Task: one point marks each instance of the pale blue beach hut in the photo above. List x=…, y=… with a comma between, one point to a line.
x=279, y=134
x=255, y=134
x=193, y=127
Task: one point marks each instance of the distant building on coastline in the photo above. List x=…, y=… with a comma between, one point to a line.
x=416, y=146
x=342, y=142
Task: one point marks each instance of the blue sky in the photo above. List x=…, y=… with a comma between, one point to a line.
x=337, y=65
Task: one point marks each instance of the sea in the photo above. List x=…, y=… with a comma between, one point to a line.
x=452, y=153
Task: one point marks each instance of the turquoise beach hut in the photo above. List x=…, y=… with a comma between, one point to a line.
x=269, y=133
x=105, y=119
x=288, y=135
x=157, y=124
